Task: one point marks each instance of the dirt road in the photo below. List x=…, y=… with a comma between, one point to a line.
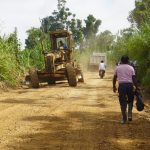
x=59, y=117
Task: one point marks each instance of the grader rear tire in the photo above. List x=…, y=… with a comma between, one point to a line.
x=34, y=78
x=71, y=75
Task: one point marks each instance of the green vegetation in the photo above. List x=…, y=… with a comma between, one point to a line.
x=133, y=41
x=137, y=47
x=10, y=69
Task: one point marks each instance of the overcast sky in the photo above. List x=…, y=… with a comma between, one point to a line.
x=25, y=14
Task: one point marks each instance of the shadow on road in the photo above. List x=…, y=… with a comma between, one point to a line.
x=84, y=131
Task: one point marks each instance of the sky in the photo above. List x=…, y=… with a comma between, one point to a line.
x=25, y=14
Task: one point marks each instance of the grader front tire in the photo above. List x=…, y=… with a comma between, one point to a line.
x=71, y=75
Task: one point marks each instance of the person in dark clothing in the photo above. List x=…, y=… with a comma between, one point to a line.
x=62, y=45
x=125, y=75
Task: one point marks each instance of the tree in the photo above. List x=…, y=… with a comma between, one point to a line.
x=34, y=35
x=63, y=18
x=15, y=45
x=91, y=27
x=90, y=30
x=135, y=41
x=105, y=40
x=36, y=42
x=127, y=32
x=77, y=30
x=141, y=13
x=60, y=18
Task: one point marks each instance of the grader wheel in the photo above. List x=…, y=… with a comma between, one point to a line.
x=34, y=78
x=71, y=75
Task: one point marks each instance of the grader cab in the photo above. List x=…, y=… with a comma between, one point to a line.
x=59, y=63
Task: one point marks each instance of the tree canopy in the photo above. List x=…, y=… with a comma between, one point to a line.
x=64, y=18
x=141, y=13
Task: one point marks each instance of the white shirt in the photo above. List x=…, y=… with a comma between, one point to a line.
x=102, y=66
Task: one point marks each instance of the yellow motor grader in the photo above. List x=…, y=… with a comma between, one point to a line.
x=59, y=64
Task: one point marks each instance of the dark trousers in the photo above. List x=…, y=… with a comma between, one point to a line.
x=101, y=73
x=126, y=96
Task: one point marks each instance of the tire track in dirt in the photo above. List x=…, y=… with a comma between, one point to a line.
x=86, y=117
x=12, y=119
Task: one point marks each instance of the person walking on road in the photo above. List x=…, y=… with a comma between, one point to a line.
x=102, y=68
x=125, y=75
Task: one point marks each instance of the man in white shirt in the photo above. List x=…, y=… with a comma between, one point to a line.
x=102, y=68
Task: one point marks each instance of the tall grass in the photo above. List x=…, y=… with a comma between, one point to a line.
x=9, y=69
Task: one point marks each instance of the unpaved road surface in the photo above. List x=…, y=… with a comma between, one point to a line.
x=59, y=117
